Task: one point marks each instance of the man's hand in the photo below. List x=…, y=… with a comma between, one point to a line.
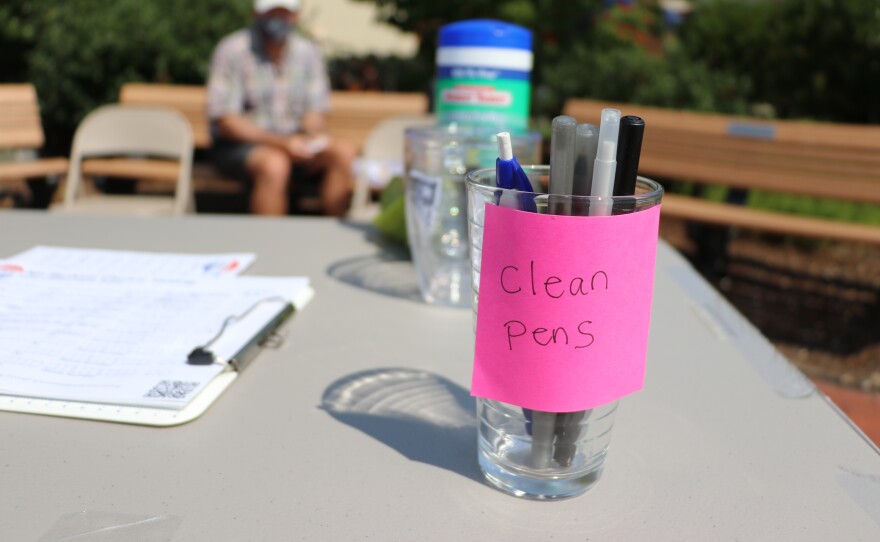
x=298, y=147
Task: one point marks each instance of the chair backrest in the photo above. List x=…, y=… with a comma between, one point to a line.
x=382, y=150
x=190, y=100
x=385, y=141
x=114, y=130
x=20, y=125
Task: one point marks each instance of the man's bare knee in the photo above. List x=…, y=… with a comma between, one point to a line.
x=269, y=166
x=341, y=152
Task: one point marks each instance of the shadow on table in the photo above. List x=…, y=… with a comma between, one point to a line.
x=390, y=272
x=423, y=416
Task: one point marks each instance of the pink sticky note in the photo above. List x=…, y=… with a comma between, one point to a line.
x=564, y=308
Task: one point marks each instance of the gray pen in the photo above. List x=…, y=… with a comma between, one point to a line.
x=562, y=148
x=562, y=153
x=568, y=424
x=586, y=142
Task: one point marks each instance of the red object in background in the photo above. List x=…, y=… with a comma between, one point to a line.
x=863, y=408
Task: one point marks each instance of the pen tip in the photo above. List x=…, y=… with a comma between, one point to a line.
x=505, y=148
x=632, y=120
x=563, y=120
x=610, y=116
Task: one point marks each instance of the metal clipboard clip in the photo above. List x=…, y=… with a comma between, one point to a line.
x=201, y=355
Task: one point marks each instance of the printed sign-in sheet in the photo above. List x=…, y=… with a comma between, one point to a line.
x=107, y=326
x=130, y=264
x=105, y=341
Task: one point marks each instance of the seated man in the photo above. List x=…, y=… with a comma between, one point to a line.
x=267, y=95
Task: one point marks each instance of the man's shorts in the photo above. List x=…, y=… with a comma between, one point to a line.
x=230, y=159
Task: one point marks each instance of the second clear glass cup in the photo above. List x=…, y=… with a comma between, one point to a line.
x=527, y=453
x=435, y=162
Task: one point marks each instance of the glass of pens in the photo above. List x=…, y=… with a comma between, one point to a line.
x=533, y=453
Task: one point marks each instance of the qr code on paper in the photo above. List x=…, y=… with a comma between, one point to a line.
x=171, y=389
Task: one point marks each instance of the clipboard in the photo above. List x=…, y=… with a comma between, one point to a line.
x=161, y=417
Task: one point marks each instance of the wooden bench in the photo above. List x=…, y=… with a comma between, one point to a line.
x=21, y=129
x=807, y=158
x=353, y=115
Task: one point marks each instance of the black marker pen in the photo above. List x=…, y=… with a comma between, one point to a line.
x=629, y=148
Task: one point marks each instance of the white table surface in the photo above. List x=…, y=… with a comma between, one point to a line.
x=360, y=426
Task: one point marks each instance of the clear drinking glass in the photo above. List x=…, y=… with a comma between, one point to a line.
x=436, y=160
x=534, y=454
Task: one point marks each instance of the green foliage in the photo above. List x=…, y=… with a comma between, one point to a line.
x=584, y=49
x=389, y=73
x=630, y=59
x=18, y=30
x=816, y=59
x=79, y=52
x=793, y=58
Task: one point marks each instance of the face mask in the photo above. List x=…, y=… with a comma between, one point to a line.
x=274, y=28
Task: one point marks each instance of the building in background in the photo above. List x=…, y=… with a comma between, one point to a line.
x=348, y=28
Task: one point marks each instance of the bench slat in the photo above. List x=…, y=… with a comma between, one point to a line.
x=789, y=171
x=23, y=93
x=809, y=158
x=33, y=168
x=745, y=175
x=32, y=138
x=17, y=112
x=688, y=208
x=20, y=125
x=828, y=158
x=207, y=179
x=820, y=134
x=133, y=168
x=353, y=115
x=20, y=129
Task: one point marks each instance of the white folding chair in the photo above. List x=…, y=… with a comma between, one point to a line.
x=383, y=149
x=133, y=142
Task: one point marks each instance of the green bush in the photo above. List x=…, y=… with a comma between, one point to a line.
x=794, y=58
x=817, y=59
x=629, y=57
x=584, y=49
x=79, y=52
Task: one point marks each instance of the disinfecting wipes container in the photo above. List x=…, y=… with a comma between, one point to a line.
x=483, y=71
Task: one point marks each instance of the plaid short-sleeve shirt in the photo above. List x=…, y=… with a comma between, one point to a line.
x=243, y=81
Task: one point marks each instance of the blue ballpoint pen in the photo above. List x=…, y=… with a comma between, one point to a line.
x=510, y=175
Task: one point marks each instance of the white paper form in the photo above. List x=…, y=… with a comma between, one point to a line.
x=133, y=264
x=106, y=340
